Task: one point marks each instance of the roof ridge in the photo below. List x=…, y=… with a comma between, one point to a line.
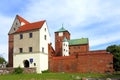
x=31, y=26
x=22, y=19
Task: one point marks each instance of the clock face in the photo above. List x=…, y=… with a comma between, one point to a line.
x=60, y=33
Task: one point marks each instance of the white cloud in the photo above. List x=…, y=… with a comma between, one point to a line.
x=95, y=19
x=79, y=14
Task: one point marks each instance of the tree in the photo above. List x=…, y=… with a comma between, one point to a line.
x=2, y=60
x=115, y=50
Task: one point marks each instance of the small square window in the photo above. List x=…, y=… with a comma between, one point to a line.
x=21, y=36
x=43, y=49
x=30, y=35
x=30, y=49
x=45, y=29
x=45, y=37
x=20, y=50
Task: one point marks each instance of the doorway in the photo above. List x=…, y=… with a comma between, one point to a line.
x=26, y=63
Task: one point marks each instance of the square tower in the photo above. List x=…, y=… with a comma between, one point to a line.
x=59, y=37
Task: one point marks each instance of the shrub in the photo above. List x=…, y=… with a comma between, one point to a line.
x=45, y=71
x=18, y=70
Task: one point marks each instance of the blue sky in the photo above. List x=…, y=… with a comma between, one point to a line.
x=98, y=20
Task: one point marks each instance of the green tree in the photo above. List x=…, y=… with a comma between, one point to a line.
x=2, y=60
x=115, y=50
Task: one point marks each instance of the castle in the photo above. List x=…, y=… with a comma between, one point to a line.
x=30, y=47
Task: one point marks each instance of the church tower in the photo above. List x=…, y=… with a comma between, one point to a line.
x=59, y=37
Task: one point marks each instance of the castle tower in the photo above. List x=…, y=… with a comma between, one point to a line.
x=19, y=21
x=65, y=47
x=59, y=37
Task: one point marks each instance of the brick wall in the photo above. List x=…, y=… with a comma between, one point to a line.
x=10, y=54
x=74, y=49
x=82, y=63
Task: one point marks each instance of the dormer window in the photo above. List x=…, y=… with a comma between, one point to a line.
x=22, y=23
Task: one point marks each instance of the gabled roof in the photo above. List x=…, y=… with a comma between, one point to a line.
x=31, y=26
x=78, y=41
x=22, y=19
x=62, y=29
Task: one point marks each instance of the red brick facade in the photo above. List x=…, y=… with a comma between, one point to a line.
x=59, y=40
x=78, y=49
x=82, y=63
x=10, y=56
x=80, y=60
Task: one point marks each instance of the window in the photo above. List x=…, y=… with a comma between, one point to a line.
x=30, y=35
x=45, y=29
x=14, y=29
x=43, y=49
x=16, y=23
x=20, y=50
x=30, y=49
x=21, y=36
x=60, y=33
x=45, y=37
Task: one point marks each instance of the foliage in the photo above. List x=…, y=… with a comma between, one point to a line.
x=115, y=50
x=18, y=70
x=2, y=60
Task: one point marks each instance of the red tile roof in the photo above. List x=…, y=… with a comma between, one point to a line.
x=22, y=19
x=31, y=26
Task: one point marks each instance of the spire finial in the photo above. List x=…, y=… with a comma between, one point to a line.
x=62, y=25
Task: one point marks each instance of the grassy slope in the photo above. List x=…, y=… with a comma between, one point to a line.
x=52, y=76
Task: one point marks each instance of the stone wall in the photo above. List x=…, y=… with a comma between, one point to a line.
x=11, y=70
x=82, y=63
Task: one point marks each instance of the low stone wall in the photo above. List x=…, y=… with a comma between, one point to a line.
x=11, y=70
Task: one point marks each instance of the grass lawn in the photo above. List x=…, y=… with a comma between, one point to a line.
x=54, y=76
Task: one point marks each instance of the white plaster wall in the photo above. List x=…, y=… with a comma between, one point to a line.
x=43, y=61
x=18, y=60
x=43, y=42
x=65, y=49
x=15, y=27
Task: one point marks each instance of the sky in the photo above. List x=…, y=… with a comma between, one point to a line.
x=98, y=20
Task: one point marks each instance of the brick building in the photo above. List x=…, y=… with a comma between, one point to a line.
x=29, y=46
x=65, y=46
x=73, y=55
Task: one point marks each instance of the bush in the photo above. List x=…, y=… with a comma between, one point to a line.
x=18, y=70
x=45, y=71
